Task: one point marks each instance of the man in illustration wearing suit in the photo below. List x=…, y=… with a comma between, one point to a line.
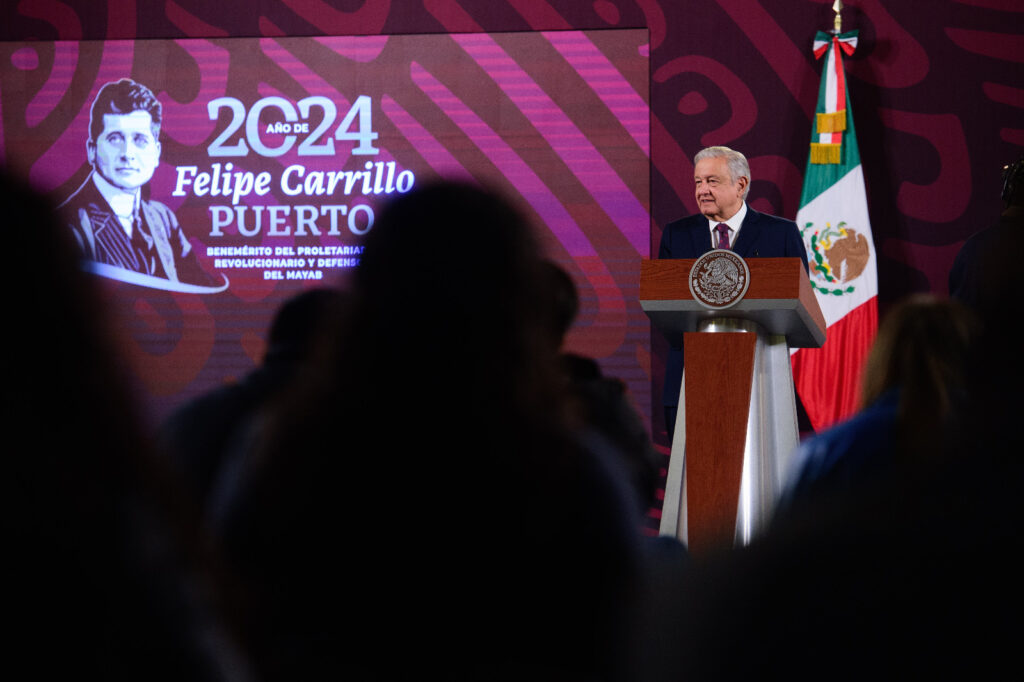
x=111, y=221
x=722, y=178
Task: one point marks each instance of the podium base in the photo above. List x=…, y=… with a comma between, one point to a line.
x=734, y=438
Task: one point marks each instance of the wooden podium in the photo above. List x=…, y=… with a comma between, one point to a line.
x=736, y=428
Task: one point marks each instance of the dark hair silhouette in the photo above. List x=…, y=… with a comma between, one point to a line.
x=204, y=436
x=565, y=300
x=922, y=349
x=300, y=322
x=601, y=403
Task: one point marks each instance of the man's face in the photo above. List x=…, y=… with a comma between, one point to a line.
x=719, y=197
x=126, y=153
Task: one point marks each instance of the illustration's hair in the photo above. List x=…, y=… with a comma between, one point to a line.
x=738, y=166
x=123, y=97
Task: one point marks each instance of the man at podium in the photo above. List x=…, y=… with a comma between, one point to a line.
x=722, y=178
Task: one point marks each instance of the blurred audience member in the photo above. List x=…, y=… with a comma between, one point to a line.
x=106, y=575
x=421, y=508
x=914, y=383
x=974, y=278
x=201, y=434
x=984, y=277
x=602, y=401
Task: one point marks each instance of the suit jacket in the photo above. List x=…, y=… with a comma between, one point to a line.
x=761, y=235
x=165, y=251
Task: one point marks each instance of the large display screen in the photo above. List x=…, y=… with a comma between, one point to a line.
x=272, y=156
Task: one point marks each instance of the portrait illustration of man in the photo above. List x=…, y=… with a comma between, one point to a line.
x=112, y=223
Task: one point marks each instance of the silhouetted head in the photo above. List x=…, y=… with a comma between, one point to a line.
x=563, y=299
x=450, y=288
x=922, y=349
x=303, y=320
x=94, y=525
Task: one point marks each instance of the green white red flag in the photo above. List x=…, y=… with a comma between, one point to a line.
x=833, y=219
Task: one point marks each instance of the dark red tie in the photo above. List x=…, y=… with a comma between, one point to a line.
x=723, y=235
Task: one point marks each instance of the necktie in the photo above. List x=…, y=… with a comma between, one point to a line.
x=723, y=236
x=141, y=246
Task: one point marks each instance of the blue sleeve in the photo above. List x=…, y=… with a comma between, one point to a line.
x=665, y=249
x=795, y=245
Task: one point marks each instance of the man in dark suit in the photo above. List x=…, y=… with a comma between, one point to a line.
x=111, y=221
x=722, y=178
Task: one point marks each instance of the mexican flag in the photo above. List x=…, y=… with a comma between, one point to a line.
x=833, y=219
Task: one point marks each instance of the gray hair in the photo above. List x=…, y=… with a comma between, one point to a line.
x=738, y=166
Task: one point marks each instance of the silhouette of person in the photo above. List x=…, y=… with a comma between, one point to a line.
x=425, y=490
x=107, y=573
x=201, y=435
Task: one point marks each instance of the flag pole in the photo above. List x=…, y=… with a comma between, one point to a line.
x=834, y=222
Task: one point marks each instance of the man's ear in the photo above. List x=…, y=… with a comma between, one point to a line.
x=743, y=182
x=90, y=152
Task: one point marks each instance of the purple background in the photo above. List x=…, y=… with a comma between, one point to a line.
x=938, y=90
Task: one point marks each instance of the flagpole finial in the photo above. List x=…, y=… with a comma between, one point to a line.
x=837, y=7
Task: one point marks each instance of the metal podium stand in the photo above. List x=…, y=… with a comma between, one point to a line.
x=736, y=429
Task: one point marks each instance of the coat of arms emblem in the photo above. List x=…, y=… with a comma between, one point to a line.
x=719, y=279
